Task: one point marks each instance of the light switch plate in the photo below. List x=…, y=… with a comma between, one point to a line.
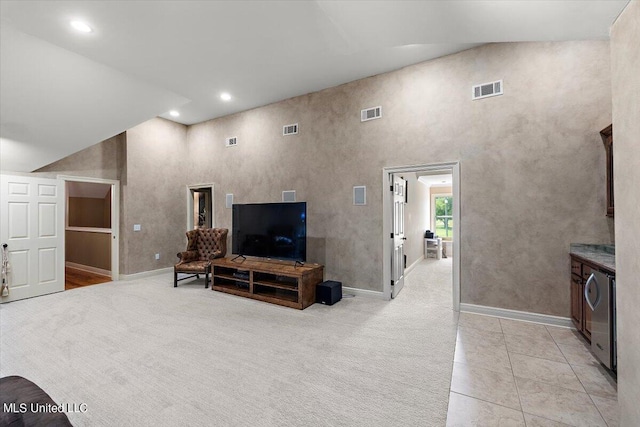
x=137, y=227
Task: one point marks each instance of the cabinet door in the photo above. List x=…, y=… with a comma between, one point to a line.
x=576, y=267
x=576, y=301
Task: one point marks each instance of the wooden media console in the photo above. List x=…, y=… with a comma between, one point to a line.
x=284, y=284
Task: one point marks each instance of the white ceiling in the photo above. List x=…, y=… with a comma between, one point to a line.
x=441, y=180
x=62, y=91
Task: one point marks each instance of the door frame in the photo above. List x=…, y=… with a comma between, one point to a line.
x=387, y=206
x=190, y=224
x=115, y=216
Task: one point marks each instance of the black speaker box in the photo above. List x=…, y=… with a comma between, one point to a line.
x=329, y=292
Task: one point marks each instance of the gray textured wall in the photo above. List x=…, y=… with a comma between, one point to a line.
x=532, y=167
x=625, y=65
x=103, y=160
x=534, y=152
x=153, y=194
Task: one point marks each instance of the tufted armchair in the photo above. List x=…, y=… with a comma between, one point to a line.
x=203, y=245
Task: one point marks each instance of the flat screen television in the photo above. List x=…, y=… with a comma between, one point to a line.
x=271, y=230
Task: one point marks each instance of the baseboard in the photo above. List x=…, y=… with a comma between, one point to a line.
x=88, y=268
x=412, y=266
x=526, y=316
x=144, y=274
x=362, y=292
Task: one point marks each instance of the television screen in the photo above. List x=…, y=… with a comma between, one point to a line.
x=271, y=230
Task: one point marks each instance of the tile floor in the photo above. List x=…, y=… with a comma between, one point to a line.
x=512, y=373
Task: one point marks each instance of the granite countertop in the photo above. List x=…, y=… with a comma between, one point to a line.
x=602, y=255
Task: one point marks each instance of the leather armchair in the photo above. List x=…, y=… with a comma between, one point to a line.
x=203, y=245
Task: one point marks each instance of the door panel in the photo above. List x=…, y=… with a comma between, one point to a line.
x=398, y=238
x=18, y=217
x=47, y=190
x=47, y=265
x=31, y=224
x=577, y=296
x=19, y=268
x=47, y=220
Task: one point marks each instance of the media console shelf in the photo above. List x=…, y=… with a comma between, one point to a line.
x=284, y=284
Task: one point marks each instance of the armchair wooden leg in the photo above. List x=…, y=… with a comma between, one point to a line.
x=206, y=277
x=175, y=278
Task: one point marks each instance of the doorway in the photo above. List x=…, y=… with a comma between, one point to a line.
x=200, y=206
x=446, y=223
x=92, y=218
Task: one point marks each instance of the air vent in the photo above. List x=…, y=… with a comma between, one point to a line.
x=486, y=90
x=290, y=129
x=289, y=196
x=231, y=142
x=370, y=114
x=360, y=195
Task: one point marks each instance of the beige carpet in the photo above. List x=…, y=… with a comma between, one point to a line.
x=146, y=354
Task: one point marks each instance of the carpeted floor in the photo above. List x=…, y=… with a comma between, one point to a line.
x=146, y=354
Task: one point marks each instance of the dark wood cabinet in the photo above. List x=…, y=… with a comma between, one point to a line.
x=576, y=301
x=607, y=140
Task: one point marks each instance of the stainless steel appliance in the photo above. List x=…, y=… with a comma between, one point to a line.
x=599, y=292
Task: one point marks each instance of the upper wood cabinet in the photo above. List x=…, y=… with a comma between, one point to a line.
x=607, y=140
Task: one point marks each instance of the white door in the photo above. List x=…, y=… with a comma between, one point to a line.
x=32, y=226
x=397, y=262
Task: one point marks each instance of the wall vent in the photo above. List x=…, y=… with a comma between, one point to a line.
x=229, y=200
x=360, y=195
x=290, y=129
x=231, y=142
x=486, y=90
x=370, y=114
x=289, y=196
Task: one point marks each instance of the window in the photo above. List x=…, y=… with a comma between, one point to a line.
x=443, y=219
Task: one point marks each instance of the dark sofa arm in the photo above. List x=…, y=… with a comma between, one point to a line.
x=20, y=391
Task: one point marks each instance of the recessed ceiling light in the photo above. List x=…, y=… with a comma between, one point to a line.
x=225, y=96
x=174, y=113
x=81, y=26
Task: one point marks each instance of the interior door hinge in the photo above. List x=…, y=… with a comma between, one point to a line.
x=392, y=283
x=391, y=188
x=392, y=235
